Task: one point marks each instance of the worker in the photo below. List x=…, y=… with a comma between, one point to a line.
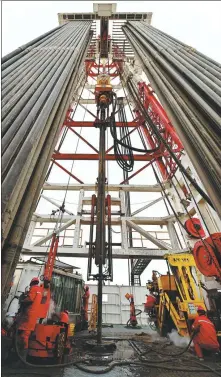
x=86, y=297
x=29, y=315
x=150, y=301
x=205, y=334
x=64, y=317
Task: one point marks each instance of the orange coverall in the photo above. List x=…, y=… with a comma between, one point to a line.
x=29, y=317
x=206, y=337
x=86, y=297
x=150, y=302
x=64, y=317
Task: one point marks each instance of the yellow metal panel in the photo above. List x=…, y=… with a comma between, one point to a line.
x=181, y=259
x=167, y=283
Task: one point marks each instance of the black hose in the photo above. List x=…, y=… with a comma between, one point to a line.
x=111, y=365
x=142, y=364
x=171, y=354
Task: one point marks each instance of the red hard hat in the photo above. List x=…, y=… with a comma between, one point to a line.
x=34, y=279
x=200, y=308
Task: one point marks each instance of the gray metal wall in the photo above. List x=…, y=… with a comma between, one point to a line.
x=116, y=308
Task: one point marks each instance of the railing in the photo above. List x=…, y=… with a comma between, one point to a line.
x=66, y=237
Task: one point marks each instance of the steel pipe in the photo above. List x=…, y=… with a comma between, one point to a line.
x=191, y=97
x=33, y=127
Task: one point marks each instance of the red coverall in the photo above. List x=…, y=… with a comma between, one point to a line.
x=150, y=302
x=85, y=304
x=29, y=317
x=64, y=317
x=206, y=337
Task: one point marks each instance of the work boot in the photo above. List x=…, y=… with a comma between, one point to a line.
x=200, y=358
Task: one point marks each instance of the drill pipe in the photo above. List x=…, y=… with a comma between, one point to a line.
x=191, y=101
x=38, y=140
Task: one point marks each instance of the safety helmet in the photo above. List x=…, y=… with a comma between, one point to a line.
x=200, y=308
x=34, y=280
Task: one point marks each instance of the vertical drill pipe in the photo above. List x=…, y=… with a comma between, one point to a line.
x=19, y=226
x=100, y=231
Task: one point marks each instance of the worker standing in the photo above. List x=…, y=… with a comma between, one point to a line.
x=29, y=314
x=205, y=334
x=85, y=298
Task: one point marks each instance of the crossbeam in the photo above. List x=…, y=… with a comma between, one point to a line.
x=133, y=253
x=73, y=123
x=86, y=220
x=108, y=157
x=93, y=187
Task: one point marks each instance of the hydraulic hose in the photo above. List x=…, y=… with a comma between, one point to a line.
x=171, y=354
x=111, y=365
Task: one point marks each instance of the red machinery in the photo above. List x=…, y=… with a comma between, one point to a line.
x=194, y=228
x=207, y=254
x=49, y=340
x=133, y=315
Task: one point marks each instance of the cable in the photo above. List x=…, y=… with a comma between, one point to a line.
x=158, y=134
x=110, y=366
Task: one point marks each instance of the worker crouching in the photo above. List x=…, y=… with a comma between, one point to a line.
x=62, y=317
x=205, y=334
x=150, y=303
x=29, y=315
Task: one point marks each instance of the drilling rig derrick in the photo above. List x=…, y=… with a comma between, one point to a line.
x=166, y=120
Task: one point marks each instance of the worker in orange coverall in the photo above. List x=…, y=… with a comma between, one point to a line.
x=29, y=315
x=64, y=317
x=86, y=297
x=150, y=302
x=205, y=337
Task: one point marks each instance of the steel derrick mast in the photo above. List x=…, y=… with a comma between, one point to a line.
x=168, y=125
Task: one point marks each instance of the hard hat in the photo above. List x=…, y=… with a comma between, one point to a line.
x=200, y=308
x=35, y=279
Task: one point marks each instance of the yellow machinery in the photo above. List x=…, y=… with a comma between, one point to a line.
x=93, y=317
x=103, y=90
x=178, y=295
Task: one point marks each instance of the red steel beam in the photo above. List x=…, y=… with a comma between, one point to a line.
x=86, y=142
x=109, y=149
x=95, y=157
x=66, y=171
x=95, y=74
x=91, y=124
x=137, y=172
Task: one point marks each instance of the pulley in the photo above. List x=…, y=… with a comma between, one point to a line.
x=194, y=228
x=207, y=255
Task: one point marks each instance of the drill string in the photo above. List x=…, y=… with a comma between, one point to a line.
x=110, y=366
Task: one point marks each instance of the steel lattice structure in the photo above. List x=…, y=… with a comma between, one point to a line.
x=43, y=84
